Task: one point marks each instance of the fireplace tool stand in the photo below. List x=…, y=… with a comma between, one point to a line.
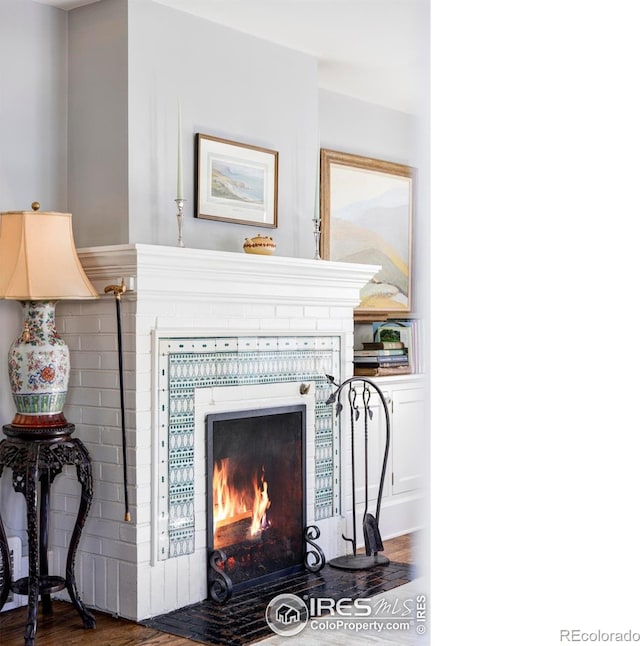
x=360, y=388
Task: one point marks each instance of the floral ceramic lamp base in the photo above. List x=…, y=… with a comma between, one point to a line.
x=39, y=369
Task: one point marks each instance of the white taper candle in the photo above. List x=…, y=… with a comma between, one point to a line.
x=316, y=206
x=180, y=187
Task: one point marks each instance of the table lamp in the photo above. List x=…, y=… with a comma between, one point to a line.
x=39, y=266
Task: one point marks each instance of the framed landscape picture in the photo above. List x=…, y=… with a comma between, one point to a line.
x=236, y=182
x=366, y=211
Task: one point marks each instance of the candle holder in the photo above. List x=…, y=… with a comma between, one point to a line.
x=316, y=233
x=180, y=215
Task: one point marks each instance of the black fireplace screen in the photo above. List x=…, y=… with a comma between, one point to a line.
x=256, y=491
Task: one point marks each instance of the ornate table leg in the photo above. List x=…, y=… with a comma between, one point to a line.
x=83, y=468
x=31, y=497
x=45, y=492
x=5, y=558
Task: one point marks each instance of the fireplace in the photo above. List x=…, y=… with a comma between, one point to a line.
x=200, y=337
x=255, y=494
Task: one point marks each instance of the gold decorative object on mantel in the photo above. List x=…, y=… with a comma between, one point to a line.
x=261, y=245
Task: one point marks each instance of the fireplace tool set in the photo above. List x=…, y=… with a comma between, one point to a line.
x=360, y=389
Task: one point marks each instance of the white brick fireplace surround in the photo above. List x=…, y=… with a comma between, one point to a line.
x=233, y=320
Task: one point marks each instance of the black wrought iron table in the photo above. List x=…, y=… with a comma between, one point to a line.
x=38, y=456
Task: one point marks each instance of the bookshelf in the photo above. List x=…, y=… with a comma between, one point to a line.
x=387, y=348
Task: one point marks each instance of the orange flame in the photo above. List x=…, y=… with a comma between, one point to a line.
x=231, y=504
x=261, y=503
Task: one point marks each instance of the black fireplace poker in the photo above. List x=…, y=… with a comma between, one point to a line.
x=118, y=290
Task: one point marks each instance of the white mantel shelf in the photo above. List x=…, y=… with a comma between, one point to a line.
x=204, y=274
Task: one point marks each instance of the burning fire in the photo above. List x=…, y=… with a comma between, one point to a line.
x=261, y=503
x=232, y=505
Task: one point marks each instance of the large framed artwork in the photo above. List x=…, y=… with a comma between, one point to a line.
x=236, y=182
x=366, y=215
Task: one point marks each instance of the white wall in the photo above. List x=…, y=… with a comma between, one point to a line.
x=98, y=116
x=33, y=145
x=131, y=65
x=353, y=126
x=229, y=85
x=33, y=106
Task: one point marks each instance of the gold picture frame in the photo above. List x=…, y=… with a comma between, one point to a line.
x=236, y=182
x=366, y=216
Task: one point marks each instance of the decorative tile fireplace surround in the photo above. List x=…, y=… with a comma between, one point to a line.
x=204, y=331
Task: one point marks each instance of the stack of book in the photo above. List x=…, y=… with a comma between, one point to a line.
x=381, y=358
x=405, y=330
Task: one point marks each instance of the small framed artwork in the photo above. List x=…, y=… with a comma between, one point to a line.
x=366, y=216
x=236, y=182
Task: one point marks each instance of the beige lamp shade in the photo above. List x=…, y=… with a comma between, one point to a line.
x=38, y=259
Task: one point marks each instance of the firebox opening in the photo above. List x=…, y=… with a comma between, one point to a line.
x=256, y=491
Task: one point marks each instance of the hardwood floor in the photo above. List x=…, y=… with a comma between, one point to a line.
x=64, y=627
